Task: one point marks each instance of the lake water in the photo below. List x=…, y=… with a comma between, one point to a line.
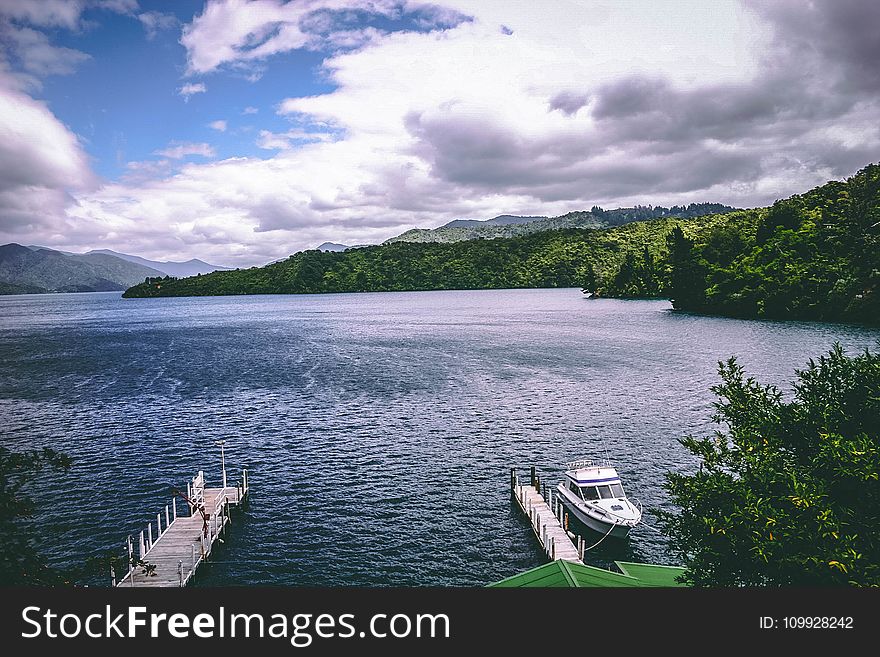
x=378, y=429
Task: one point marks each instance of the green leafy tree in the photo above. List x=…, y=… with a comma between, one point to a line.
x=20, y=561
x=687, y=279
x=589, y=280
x=787, y=492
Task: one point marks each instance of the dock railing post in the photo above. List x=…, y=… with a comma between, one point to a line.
x=150, y=536
x=142, y=546
x=180, y=571
x=532, y=473
x=174, y=506
x=167, y=518
x=159, y=525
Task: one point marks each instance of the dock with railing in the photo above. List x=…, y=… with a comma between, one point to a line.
x=548, y=518
x=170, y=556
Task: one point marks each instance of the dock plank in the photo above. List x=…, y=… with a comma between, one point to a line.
x=185, y=543
x=551, y=535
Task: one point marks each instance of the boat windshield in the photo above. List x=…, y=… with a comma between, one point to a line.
x=589, y=493
x=617, y=489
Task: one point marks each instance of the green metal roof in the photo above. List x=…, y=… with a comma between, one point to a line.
x=651, y=574
x=573, y=575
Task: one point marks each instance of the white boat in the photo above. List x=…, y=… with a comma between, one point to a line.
x=594, y=495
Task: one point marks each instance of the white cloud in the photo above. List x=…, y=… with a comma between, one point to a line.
x=533, y=108
x=46, y=13
x=289, y=139
x=41, y=163
x=155, y=22
x=249, y=110
x=36, y=55
x=218, y=125
x=178, y=150
x=245, y=31
x=191, y=89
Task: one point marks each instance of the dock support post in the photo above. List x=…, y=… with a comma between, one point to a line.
x=180, y=571
x=533, y=478
x=159, y=525
x=150, y=536
x=189, y=495
x=581, y=548
x=113, y=575
x=167, y=518
x=142, y=546
x=192, y=557
x=174, y=506
x=513, y=479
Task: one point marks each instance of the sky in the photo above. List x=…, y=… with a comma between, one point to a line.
x=242, y=131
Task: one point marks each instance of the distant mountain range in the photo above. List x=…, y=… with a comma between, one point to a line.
x=178, y=269
x=506, y=225
x=35, y=269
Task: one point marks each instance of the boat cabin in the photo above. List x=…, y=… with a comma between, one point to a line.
x=594, y=482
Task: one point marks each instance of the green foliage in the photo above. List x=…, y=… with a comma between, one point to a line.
x=813, y=256
x=20, y=560
x=788, y=494
x=595, y=218
x=546, y=259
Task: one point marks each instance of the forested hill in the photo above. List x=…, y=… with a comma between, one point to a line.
x=546, y=259
x=512, y=226
x=813, y=256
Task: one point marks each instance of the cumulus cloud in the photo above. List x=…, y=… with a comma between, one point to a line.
x=219, y=125
x=178, y=150
x=36, y=55
x=48, y=13
x=289, y=139
x=249, y=110
x=534, y=108
x=191, y=89
x=155, y=22
x=41, y=163
x=239, y=32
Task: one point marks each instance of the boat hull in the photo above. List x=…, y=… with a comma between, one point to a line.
x=598, y=525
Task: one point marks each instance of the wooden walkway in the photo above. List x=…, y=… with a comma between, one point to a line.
x=186, y=541
x=547, y=516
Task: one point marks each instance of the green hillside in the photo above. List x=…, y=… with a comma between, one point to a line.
x=546, y=259
x=24, y=269
x=507, y=226
x=813, y=256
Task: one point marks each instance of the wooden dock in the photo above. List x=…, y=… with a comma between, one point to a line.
x=171, y=557
x=548, y=519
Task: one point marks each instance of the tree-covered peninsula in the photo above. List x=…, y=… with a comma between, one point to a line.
x=812, y=256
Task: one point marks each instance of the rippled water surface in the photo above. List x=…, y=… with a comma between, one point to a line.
x=378, y=428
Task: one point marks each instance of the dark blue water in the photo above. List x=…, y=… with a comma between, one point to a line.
x=378, y=428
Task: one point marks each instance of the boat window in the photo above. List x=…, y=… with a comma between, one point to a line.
x=617, y=489
x=573, y=488
x=590, y=493
x=605, y=492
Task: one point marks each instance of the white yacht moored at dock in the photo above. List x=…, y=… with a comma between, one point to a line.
x=594, y=495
